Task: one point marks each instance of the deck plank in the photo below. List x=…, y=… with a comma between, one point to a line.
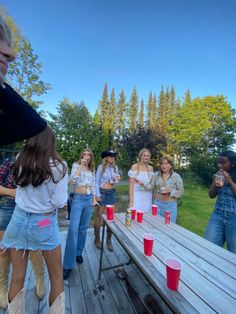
x=117, y=289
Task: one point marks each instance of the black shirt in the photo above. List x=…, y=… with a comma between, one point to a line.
x=18, y=120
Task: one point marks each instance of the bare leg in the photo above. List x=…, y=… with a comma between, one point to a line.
x=37, y=262
x=54, y=266
x=19, y=260
x=4, y=271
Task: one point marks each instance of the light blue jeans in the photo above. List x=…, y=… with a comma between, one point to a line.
x=170, y=206
x=81, y=210
x=221, y=228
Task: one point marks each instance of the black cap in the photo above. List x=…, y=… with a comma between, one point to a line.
x=108, y=153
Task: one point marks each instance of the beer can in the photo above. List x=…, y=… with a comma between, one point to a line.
x=167, y=217
x=128, y=217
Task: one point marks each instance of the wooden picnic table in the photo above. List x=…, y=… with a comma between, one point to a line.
x=208, y=277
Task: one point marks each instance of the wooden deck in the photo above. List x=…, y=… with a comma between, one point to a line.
x=84, y=294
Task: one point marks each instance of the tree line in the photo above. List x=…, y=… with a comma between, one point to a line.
x=191, y=131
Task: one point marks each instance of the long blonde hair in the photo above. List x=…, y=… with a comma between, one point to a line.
x=104, y=164
x=141, y=152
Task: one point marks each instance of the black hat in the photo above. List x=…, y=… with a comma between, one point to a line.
x=108, y=153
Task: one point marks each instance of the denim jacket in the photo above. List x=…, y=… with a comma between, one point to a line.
x=226, y=199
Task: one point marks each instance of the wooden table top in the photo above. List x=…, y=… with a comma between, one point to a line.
x=208, y=277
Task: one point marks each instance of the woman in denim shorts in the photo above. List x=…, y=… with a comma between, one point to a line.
x=107, y=176
x=221, y=227
x=41, y=178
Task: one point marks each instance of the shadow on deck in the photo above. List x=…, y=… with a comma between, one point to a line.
x=84, y=294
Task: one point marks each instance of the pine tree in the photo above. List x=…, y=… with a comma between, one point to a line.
x=103, y=105
x=133, y=110
x=121, y=113
x=112, y=111
x=149, y=111
x=154, y=113
x=141, y=115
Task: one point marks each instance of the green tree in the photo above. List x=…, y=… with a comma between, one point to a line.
x=104, y=104
x=121, y=113
x=73, y=128
x=141, y=115
x=149, y=111
x=24, y=73
x=133, y=110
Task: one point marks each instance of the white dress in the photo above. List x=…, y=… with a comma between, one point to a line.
x=142, y=197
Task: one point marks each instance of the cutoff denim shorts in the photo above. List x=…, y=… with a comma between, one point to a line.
x=108, y=196
x=7, y=205
x=30, y=231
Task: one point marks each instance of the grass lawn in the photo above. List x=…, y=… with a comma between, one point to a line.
x=195, y=206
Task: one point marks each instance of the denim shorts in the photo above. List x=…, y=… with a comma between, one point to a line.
x=108, y=196
x=30, y=231
x=7, y=205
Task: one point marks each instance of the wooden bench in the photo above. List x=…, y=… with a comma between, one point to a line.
x=208, y=278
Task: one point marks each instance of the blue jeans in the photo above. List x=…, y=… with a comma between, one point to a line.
x=81, y=210
x=221, y=228
x=170, y=206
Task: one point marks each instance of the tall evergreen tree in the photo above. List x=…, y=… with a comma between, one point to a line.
x=112, y=111
x=154, y=113
x=133, y=110
x=149, y=111
x=141, y=115
x=121, y=113
x=104, y=105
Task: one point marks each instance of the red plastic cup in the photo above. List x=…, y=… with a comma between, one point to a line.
x=148, y=241
x=167, y=217
x=173, y=269
x=154, y=210
x=110, y=212
x=140, y=216
x=133, y=213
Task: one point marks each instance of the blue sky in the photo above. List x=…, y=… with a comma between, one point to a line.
x=85, y=43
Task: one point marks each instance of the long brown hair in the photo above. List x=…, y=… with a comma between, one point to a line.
x=91, y=164
x=38, y=155
x=169, y=162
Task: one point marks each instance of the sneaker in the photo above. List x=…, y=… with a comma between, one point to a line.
x=66, y=273
x=79, y=259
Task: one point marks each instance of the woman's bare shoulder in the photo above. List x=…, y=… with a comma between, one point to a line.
x=134, y=167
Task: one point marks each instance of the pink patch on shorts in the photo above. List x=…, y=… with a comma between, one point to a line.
x=44, y=223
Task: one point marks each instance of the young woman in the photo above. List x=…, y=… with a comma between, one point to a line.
x=83, y=179
x=7, y=205
x=167, y=187
x=139, y=198
x=106, y=177
x=41, y=178
x=221, y=227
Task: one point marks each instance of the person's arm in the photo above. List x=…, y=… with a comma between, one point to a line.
x=229, y=180
x=18, y=120
x=97, y=181
x=7, y=192
x=131, y=192
x=213, y=190
x=179, y=187
x=60, y=195
x=93, y=189
x=149, y=186
x=131, y=174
